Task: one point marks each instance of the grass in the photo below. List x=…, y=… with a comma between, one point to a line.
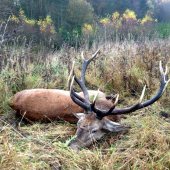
x=145, y=146
x=121, y=68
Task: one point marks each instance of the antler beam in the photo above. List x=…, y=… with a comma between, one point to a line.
x=100, y=114
x=83, y=102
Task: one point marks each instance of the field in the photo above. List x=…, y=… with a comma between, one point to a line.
x=122, y=68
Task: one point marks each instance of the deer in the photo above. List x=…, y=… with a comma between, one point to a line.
x=47, y=105
x=94, y=118
x=100, y=116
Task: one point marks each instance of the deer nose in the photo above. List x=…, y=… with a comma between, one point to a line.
x=73, y=145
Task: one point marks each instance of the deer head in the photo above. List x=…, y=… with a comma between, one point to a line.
x=94, y=122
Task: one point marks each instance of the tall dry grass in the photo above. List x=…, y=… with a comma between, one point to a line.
x=121, y=68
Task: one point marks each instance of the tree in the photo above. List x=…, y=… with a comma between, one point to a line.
x=143, y=8
x=47, y=29
x=105, y=7
x=79, y=12
x=39, y=9
x=7, y=8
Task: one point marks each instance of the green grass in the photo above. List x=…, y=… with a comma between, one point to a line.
x=163, y=29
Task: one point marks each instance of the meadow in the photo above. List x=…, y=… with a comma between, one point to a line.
x=121, y=67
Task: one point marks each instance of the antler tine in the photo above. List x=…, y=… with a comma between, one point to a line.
x=142, y=95
x=82, y=81
x=72, y=81
x=71, y=72
x=94, y=100
x=114, y=105
x=71, y=85
x=164, y=76
x=116, y=100
x=161, y=69
x=95, y=53
x=85, y=64
x=82, y=56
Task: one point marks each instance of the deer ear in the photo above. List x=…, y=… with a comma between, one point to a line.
x=78, y=115
x=113, y=127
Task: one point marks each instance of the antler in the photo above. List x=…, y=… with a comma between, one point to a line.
x=100, y=114
x=83, y=102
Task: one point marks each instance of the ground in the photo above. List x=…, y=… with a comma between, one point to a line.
x=145, y=146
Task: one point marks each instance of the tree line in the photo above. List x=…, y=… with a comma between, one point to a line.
x=76, y=22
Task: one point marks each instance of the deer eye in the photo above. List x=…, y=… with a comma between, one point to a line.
x=94, y=131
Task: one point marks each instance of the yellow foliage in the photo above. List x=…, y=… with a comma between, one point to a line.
x=23, y=20
x=14, y=19
x=30, y=22
x=139, y=20
x=48, y=20
x=22, y=17
x=116, y=19
x=42, y=25
x=21, y=13
x=146, y=19
x=128, y=14
x=46, y=25
x=115, y=16
x=87, y=29
x=105, y=21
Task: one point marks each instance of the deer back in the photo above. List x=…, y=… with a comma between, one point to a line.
x=47, y=104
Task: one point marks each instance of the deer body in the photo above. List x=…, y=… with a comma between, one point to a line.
x=50, y=104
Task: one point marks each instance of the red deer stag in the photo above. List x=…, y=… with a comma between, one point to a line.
x=94, y=122
x=48, y=104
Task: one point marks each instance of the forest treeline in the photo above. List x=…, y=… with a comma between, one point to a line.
x=78, y=22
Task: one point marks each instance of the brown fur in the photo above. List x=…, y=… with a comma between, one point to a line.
x=52, y=104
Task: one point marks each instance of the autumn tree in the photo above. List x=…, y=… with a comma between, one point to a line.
x=47, y=29
x=79, y=12
x=128, y=21
x=39, y=9
x=106, y=23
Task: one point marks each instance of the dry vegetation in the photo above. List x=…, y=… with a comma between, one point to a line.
x=120, y=68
